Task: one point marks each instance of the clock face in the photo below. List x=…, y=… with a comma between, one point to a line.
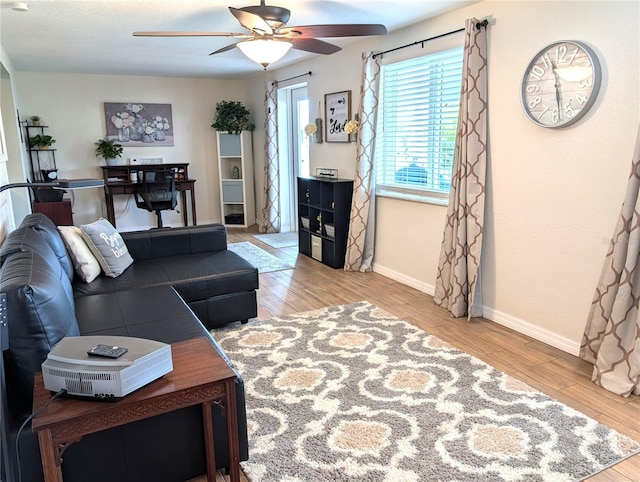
x=560, y=84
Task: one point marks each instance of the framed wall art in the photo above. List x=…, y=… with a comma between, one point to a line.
x=134, y=124
x=337, y=111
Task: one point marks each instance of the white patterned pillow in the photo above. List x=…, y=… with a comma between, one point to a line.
x=107, y=246
x=84, y=262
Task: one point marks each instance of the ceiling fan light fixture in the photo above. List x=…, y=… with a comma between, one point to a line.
x=264, y=51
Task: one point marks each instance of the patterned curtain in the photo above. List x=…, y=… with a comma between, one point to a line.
x=270, y=222
x=458, y=287
x=611, y=339
x=359, y=254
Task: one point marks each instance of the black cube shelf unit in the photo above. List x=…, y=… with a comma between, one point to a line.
x=324, y=205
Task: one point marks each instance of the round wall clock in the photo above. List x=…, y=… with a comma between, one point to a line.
x=560, y=84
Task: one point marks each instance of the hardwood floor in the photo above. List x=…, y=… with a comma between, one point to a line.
x=312, y=285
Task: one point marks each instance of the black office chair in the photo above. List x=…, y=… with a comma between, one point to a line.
x=157, y=191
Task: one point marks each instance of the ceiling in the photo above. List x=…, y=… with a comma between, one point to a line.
x=95, y=36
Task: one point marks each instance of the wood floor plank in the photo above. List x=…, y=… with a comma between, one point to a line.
x=629, y=468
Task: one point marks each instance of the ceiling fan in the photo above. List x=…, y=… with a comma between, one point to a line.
x=269, y=39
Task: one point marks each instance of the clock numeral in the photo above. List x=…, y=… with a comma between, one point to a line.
x=555, y=116
x=534, y=102
x=547, y=60
x=561, y=51
x=537, y=71
x=584, y=83
x=568, y=110
x=532, y=88
x=573, y=56
x=545, y=108
x=581, y=99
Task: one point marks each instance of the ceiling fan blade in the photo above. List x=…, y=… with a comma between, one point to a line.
x=338, y=30
x=275, y=16
x=251, y=21
x=315, y=46
x=225, y=49
x=191, y=34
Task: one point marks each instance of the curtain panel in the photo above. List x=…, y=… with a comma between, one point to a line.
x=611, y=339
x=360, y=243
x=271, y=220
x=458, y=287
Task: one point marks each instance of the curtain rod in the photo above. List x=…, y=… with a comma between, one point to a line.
x=291, y=78
x=483, y=23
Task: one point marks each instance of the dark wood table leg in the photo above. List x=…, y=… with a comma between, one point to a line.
x=210, y=452
x=52, y=470
x=232, y=432
x=193, y=205
x=108, y=197
x=185, y=214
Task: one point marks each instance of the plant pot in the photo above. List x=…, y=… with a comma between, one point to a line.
x=49, y=174
x=112, y=162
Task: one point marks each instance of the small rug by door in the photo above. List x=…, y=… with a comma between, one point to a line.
x=352, y=393
x=279, y=240
x=258, y=257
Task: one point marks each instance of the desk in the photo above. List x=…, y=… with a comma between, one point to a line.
x=116, y=182
x=200, y=377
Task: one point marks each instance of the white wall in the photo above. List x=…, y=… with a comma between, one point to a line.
x=552, y=195
x=15, y=202
x=72, y=106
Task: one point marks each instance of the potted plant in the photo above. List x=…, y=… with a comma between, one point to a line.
x=42, y=141
x=108, y=150
x=35, y=120
x=232, y=117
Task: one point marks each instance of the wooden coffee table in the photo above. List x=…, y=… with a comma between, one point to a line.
x=200, y=376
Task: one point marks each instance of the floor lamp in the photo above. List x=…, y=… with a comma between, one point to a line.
x=59, y=184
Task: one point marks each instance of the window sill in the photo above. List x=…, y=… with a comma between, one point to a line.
x=419, y=198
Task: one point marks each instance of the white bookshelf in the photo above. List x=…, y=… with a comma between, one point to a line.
x=235, y=168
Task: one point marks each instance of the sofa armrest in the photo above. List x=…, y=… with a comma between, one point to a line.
x=158, y=243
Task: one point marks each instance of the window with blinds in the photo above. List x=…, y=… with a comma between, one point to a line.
x=417, y=122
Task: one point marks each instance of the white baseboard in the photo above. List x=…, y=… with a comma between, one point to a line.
x=405, y=280
x=534, y=331
x=504, y=319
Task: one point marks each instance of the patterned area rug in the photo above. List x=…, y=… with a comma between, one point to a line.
x=258, y=257
x=279, y=240
x=352, y=393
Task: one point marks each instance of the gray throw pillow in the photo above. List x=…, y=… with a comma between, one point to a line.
x=107, y=246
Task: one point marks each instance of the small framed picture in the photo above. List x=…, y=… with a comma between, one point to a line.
x=337, y=112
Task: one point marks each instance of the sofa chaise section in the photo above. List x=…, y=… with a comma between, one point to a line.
x=217, y=284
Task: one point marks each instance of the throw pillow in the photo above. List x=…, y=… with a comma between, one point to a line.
x=84, y=262
x=107, y=246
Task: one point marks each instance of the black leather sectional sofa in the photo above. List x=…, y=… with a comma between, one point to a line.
x=183, y=281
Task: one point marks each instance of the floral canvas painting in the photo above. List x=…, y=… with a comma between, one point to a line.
x=134, y=124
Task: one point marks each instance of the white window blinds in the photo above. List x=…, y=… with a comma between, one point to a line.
x=417, y=122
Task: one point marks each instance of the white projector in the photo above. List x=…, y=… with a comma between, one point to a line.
x=68, y=366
